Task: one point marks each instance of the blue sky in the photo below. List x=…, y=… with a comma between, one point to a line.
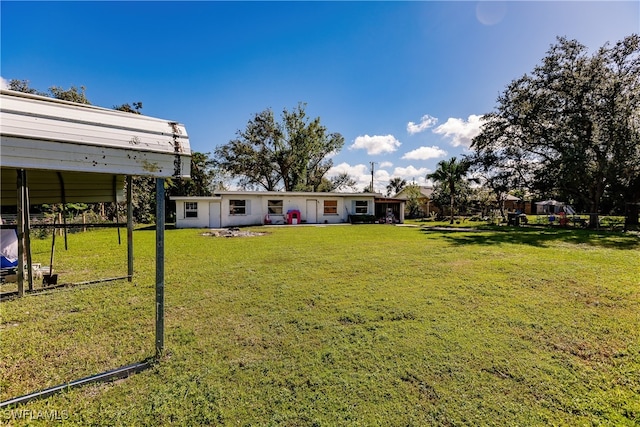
x=404, y=82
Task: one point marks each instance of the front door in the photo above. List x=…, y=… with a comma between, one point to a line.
x=214, y=215
x=312, y=211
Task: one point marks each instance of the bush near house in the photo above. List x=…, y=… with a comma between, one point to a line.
x=363, y=219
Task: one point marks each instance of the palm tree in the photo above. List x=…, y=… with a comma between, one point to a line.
x=395, y=185
x=450, y=173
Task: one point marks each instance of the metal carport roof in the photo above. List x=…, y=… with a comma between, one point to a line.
x=57, y=151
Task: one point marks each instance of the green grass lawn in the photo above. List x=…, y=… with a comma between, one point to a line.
x=340, y=325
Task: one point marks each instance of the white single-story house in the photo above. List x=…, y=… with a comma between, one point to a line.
x=240, y=208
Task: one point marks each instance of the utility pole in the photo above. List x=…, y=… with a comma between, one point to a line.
x=372, y=163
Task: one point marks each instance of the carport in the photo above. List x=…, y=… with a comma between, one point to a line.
x=56, y=151
x=389, y=210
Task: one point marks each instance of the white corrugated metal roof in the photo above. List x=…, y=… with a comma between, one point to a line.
x=50, y=134
x=80, y=153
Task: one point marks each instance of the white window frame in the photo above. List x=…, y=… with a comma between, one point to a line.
x=362, y=209
x=241, y=209
x=189, y=209
x=275, y=207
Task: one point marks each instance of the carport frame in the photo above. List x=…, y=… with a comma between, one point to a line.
x=22, y=116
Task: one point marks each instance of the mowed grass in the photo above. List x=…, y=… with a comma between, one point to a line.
x=339, y=325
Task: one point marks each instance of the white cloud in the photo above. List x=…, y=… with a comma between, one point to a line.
x=411, y=172
x=376, y=144
x=4, y=83
x=362, y=175
x=351, y=170
x=460, y=132
x=332, y=154
x=380, y=179
x=425, y=153
x=386, y=164
x=425, y=123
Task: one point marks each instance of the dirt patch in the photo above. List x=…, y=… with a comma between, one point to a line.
x=232, y=232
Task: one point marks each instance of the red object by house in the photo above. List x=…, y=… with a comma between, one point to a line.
x=293, y=217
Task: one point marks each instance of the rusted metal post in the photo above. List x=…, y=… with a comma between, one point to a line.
x=20, y=231
x=129, y=228
x=27, y=233
x=115, y=203
x=62, y=216
x=159, y=266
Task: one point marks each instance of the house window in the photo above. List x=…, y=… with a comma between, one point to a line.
x=191, y=209
x=362, y=207
x=274, y=207
x=237, y=207
x=330, y=207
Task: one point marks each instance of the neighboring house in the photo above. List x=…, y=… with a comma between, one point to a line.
x=427, y=207
x=240, y=208
x=424, y=201
x=512, y=203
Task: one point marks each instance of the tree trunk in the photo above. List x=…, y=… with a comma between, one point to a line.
x=631, y=218
x=451, y=209
x=595, y=205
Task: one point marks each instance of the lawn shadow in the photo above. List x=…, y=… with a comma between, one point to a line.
x=540, y=237
x=152, y=227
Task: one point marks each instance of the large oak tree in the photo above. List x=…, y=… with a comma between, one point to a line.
x=292, y=154
x=571, y=128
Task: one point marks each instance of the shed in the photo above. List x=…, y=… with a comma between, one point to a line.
x=56, y=151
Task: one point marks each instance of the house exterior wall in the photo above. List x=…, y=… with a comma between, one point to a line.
x=253, y=211
x=250, y=208
x=201, y=220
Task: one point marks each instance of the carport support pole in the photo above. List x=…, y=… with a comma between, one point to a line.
x=159, y=266
x=27, y=233
x=20, y=230
x=129, y=228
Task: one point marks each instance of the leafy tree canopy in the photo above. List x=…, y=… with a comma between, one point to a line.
x=340, y=182
x=72, y=94
x=413, y=207
x=571, y=128
x=292, y=154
